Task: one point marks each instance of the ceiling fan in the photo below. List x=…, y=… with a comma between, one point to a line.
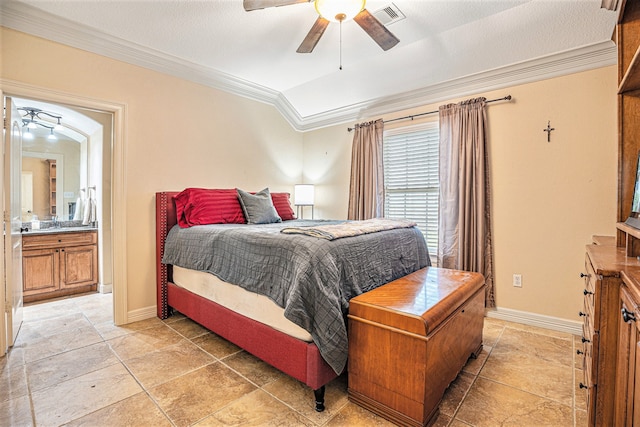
x=334, y=11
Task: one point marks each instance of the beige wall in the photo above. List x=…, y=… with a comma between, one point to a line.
x=178, y=134
x=98, y=166
x=548, y=198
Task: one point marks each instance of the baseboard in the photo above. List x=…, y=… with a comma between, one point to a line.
x=105, y=289
x=539, y=320
x=141, y=314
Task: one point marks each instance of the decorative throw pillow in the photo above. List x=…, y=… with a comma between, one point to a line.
x=258, y=208
x=200, y=206
x=283, y=206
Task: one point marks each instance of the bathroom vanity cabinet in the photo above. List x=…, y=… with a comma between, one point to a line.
x=59, y=263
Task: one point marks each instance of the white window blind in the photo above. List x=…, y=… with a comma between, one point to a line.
x=411, y=180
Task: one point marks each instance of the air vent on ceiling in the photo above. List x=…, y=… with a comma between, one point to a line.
x=389, y=14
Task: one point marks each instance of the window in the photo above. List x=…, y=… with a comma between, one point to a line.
x=411, y=179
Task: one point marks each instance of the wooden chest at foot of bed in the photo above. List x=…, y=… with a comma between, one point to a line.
x=409, y=339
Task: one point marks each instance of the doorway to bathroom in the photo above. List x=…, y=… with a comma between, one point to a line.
x=82, y=155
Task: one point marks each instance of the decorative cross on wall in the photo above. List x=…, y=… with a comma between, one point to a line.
x=548, y=130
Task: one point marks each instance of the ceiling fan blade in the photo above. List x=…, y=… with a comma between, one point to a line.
x=378, y=32
x=311, y=40
x=250, y=5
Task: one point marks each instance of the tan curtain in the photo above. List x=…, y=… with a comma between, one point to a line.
x=366, y=188
x=464, y=229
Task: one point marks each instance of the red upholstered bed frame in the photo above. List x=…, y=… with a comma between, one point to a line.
x=292, y=356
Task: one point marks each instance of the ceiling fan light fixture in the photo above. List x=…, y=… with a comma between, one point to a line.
x=339, y=10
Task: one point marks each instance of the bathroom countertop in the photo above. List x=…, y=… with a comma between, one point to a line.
x=53, y=230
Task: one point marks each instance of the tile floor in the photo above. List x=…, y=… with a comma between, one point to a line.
x=71, y=366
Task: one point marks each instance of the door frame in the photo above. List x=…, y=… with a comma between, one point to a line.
x=3, y=291
x=118, y=199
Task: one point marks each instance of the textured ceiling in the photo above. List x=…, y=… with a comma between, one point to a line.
x=254, y=53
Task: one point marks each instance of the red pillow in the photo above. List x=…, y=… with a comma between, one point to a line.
x=282, y=205
x=199, y=206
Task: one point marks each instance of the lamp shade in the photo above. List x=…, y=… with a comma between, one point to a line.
x=303, y=194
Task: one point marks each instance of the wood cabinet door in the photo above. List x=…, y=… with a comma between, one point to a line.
x=78, y=266
x=635, y=418
x=627, y=407
x=40, y=271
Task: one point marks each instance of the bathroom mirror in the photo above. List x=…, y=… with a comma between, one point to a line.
x=50, y=177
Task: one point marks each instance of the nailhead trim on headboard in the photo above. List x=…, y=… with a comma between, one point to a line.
x=161, y=269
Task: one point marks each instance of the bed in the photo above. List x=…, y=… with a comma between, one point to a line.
x=296, y=352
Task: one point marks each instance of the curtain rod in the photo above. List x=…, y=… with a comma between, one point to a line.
x=506, y=98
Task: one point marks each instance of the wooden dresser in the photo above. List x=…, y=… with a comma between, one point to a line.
x=59, y=264
x=611, y=330
x=602, y=277
x=612, y=268
x=409, y=339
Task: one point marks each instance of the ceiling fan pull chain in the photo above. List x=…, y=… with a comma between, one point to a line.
x=341, y=44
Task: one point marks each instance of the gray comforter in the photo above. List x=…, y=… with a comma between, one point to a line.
x=312, y=279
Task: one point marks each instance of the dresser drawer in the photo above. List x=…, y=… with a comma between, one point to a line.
x=59, y=239
x=587, y=317
x=589, y=278
x=590, y=354
x=588, y=313
x=587, y=343
x=589, y=302
x=587, y=333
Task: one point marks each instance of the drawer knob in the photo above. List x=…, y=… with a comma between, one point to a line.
x=579, y=352
x=627, y=315
x=582, y=314
x=585, y=340
x=586, y=292
x=585, y=275
x=583, y=386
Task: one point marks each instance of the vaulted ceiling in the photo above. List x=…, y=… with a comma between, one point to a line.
x=448, y=48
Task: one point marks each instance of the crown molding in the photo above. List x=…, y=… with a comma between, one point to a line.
x=560, y=64
x=27, y=19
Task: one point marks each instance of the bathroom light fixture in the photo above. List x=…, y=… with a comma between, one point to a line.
x=34, y=117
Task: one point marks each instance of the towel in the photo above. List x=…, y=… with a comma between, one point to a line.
x=89, y=214
x=77, y=215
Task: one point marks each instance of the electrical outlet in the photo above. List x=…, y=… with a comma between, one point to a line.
x=517, y=280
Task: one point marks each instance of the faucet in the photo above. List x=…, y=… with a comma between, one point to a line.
x=55, y=221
